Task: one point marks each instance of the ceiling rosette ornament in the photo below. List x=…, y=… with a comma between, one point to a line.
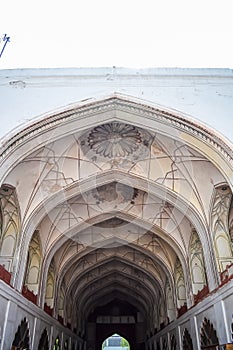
x=114, y=140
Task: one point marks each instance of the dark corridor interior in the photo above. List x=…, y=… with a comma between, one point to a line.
x=118, y=317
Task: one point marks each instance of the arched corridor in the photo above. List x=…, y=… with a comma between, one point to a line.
x=116, y=218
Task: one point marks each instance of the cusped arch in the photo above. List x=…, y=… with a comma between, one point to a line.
x=22, y=337
x=44, y=341
x=208, y=334
x=187, y=340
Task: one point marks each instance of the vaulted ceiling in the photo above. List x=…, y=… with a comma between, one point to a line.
x=115, y=188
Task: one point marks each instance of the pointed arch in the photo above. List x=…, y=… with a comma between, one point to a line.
x=10, y=225
x=173, y=177
x=180, y=284
x=171, y=309
x=50, y=286
x=196, y=263
x=162, y=311
x=220, y=226
x=186, y=135
x=61, y=299
x=34, y=263
x=57, y=344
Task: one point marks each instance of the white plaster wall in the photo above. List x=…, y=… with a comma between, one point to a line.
x=14, y=308
x=204, y=94
x=228, y=310
x=218, y=308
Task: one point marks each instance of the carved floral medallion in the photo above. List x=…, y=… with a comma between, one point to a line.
x=114, y=140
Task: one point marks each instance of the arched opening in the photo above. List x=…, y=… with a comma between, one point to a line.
x=115, y=231
x=57, y=344
x=115, y=342
x=117, y=325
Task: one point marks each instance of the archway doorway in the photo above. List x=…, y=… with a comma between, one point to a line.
x=116, y=317
x=115, y=342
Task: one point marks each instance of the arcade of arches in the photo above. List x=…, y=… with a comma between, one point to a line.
x=116, y=217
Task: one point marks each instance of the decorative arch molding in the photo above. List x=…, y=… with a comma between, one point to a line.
x=34, y=264
x=197, y=267
x=85, y=302
x=120, y=294
x=116, y=110
x=154, y=188
x=10, y=226
x=120, y=107
x=138, y=248
x=50, y=285
x=145, y=293
x=135, y=257
x=230, y=222
x=116, y=265
x=181, y=292
x=130, y=276
x=219, y=219
x=115, y=273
